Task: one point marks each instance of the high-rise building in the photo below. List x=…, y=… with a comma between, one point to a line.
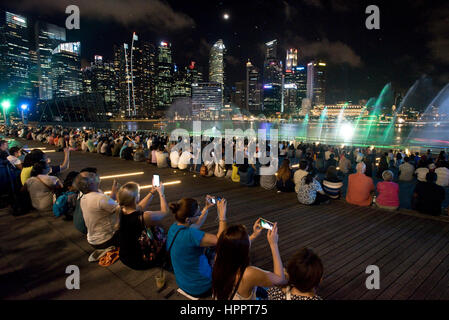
x=164, y=80
x=143, y=73
x=217, y=64
x=295, y=85
x=291, y=60
x=194, y=73
x=14, y=56
x=47, y=38
x=66, y=70
x=239, y=95
x=182, y=83
x=100, y=77
x=206, y=96
x=272, y=80
x=253, y=89
x=316, y=82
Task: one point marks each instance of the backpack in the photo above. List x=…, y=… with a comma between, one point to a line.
x=78, y=219
x=65, y=204
x=203, y=170
x=152, y=242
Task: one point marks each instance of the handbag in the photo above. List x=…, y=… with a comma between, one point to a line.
x=152, y=242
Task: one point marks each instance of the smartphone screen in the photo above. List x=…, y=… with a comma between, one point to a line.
x=156, y=180
x=266, y=224
x=213, y=200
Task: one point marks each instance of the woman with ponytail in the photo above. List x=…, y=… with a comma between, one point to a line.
x=141, y=239
x=186, y=244
x=233, y=277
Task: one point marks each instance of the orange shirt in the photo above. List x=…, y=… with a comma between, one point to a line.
x=359, y=190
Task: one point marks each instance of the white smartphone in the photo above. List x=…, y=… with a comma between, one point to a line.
x=266, y=224
x=156, y=180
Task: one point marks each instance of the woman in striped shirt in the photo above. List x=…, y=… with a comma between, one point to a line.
x=332, y=184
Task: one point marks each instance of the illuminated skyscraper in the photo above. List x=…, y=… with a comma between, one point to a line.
x=206, y=97
x=164, y=80
x=122, y=79
x=182, y=83
x=253, y=104
x=316, y=82
x=14, y=56
x=48, y=37
x=272, y=80
x=291, y=60
x=66, y=70
x=100, y=77
x=239, y=95
x=144, y=72
x=217, y=64
x=194, y=73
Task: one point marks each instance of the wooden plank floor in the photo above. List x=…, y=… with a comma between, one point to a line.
x=412, y=251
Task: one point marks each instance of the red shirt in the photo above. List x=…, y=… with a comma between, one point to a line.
x=359, y=190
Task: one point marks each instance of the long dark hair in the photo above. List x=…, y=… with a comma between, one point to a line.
x=231, y=260
x=284, y=172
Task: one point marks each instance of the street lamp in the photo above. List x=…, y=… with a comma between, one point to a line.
x=6, y=104
x=23, y=108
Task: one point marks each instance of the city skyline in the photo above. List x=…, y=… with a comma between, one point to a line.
x=355, y=56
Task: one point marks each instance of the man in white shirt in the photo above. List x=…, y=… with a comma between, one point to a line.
x=184, y=160
x=442, y=175
x=100, y=212
x=174, y=158
x=421, y=173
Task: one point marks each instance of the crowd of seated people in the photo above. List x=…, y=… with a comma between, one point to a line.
x=216, y=264
x=357, y=176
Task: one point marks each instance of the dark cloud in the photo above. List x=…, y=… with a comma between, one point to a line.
x=439, y=31
x=155, y=14
x=337, y=5
x=334, y=52
x=232, y=61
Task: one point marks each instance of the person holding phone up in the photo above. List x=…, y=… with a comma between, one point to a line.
x=186, y=244
x=136, y=222
x=233, y=277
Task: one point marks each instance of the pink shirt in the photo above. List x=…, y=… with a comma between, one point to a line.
x=388, y=194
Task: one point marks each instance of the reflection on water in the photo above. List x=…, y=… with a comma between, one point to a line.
x=325, y=132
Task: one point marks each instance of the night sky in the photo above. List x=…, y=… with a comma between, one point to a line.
x=413, y=39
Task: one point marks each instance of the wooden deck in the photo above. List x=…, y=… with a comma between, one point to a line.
x=412, y=251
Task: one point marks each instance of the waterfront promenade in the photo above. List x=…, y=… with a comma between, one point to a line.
x=411, y=250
